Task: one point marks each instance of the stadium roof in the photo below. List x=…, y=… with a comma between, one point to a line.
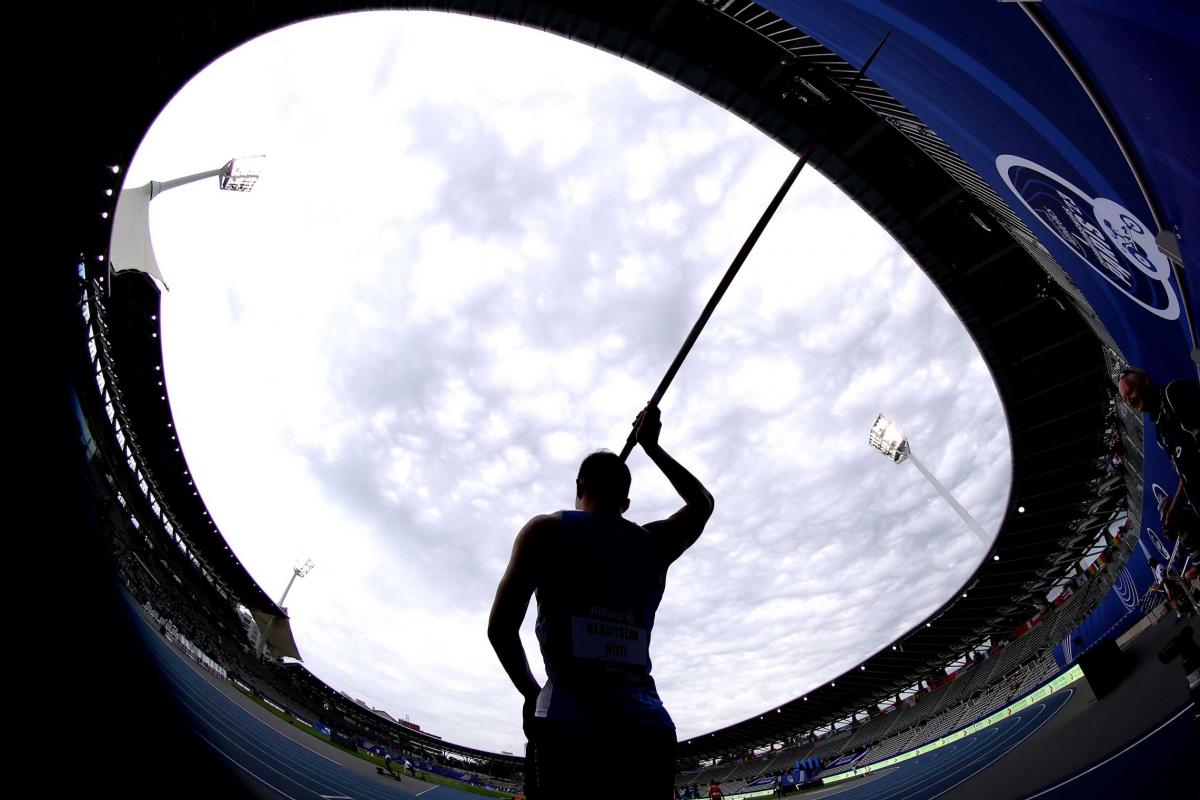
x=127, y=325
x=1033, y=323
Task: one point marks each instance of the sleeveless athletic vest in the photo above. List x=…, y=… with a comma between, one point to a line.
x=596, y=604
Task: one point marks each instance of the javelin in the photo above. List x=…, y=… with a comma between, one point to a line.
x=740, y=258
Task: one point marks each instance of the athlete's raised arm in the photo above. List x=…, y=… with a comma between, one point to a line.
x=679, y=531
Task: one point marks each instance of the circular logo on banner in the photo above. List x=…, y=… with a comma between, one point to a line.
x=1107, y=236
x=1126, y=590
x=1158, y=544
x=1160, y=496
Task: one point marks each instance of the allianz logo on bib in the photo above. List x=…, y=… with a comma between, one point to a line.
x=1104, y=234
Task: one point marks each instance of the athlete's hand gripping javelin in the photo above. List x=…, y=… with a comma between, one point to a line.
x=681, y=530
x=647, y=426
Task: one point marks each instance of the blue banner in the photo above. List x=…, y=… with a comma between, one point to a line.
x=1133, y=52
x=987, y=81
x=849, y=758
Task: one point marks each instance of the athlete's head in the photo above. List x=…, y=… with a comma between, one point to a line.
x=603, y=483
x=1138, y=390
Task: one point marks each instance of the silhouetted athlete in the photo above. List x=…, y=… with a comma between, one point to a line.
x=599, y=579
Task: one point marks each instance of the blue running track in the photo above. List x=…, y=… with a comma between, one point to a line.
x=279, y=763
x=932, y=774
x=298, y=771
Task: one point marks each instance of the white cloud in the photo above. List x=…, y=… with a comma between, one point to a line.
x=563, y=446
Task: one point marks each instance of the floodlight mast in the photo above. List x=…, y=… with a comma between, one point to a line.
x=130, y=246
x=298, y=571
x=235, y=175
x=887, y=438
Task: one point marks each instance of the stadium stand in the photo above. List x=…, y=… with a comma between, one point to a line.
x=1013, y=671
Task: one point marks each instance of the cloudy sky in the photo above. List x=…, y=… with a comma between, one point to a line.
x=472, y=255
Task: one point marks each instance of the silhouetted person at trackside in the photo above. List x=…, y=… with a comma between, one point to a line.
x=1175, y=409
x=599, y=579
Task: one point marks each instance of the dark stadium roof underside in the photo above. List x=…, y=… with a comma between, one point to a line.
x=1047, y=362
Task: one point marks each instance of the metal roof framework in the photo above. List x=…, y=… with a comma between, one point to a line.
x=1047, y=352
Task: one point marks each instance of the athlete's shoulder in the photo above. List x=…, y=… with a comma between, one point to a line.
x=542, y=523
x=535, y=534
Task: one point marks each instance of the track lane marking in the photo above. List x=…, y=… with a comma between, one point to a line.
x=238, y=764
x=924, y=773
x=1015, y=745
x=248, y=713
x=1125, y=749
x=213, y=714
x=264, y=763
x=210, y=706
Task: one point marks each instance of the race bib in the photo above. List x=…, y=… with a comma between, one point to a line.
x=604, y=640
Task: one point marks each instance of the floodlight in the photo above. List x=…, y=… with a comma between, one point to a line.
x=240, y=174
x=887, y=438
